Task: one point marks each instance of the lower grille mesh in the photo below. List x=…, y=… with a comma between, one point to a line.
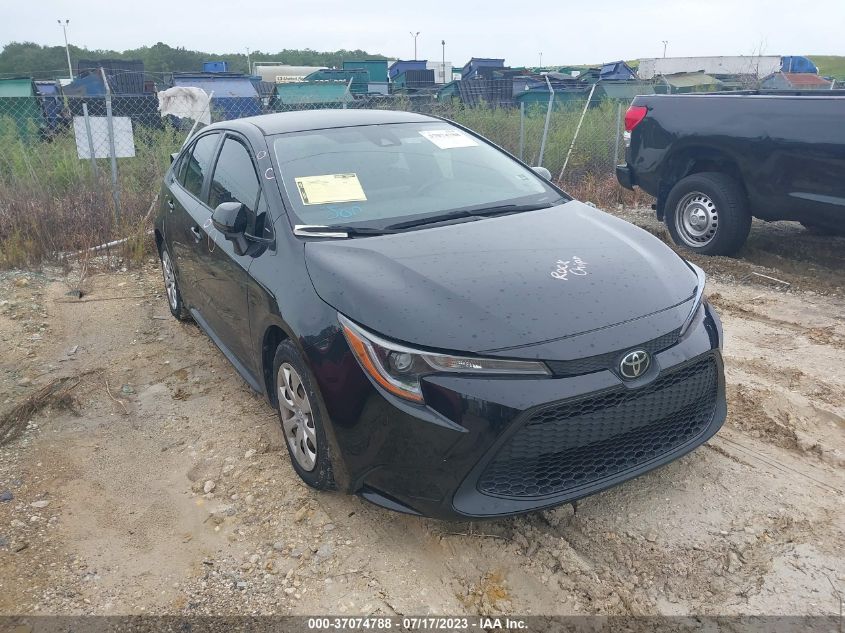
x=581, y=442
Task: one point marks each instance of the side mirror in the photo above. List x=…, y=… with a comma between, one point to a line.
x=230, y=219
x=543, y=172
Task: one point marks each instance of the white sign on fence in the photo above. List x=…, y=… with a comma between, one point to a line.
x=124, y=141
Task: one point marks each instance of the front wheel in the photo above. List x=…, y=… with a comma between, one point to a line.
x=301, y=418
x=708, y=213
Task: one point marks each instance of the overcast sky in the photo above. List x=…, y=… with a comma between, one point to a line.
x=564, y=31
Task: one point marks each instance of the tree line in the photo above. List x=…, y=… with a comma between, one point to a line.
x=29, y=59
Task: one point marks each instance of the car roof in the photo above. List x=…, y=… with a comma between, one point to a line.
x=303, y=120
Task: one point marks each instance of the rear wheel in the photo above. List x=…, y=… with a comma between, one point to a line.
x=171, y=287
x=707, y=213
x=301, y=418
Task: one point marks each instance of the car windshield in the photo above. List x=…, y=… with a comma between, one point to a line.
x=383, y=175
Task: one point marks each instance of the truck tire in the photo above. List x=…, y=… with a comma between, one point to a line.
x=708, y=214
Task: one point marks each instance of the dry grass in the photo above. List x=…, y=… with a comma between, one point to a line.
x=604, y=191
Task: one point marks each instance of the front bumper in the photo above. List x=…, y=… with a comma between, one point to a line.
x=491, y=447
x=625, y=176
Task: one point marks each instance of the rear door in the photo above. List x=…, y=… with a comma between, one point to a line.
x=226, y=281
x=187, y=213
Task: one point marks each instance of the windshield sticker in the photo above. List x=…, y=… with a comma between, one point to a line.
x=575, y=266
x=449, y=139
x=330, y=189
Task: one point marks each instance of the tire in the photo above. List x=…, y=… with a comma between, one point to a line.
x=171, y=287
x=301, y=416
x=821, y=229
x=708, y=213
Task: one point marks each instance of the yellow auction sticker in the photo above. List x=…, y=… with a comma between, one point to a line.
x=330, y=188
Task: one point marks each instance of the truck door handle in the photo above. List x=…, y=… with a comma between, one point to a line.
x=170, y=204
x=196, y=231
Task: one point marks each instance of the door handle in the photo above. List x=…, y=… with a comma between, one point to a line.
x=170, y=204
x=197, y=234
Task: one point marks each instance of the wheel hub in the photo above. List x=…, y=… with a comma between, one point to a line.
x=696, y=219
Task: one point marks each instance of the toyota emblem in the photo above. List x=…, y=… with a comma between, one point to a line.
x=634, y=364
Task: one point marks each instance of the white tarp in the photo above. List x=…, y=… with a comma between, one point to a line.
x=124, y=141
x=185, y=102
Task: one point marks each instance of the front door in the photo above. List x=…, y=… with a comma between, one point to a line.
x=227, y=281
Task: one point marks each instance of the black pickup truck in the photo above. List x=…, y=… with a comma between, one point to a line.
x=714, y=160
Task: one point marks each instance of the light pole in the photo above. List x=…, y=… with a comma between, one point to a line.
x=248, y=65
x=415, y=36
x=665, y=42
x=443, y=67
x=541, y=59
x=67, y=49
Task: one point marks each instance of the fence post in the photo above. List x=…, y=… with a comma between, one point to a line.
x=618, y=136
x=91, y=152
x=546, y=124
x=577, y=129
x=346, y=92
x=522, y=131
x=112, y=152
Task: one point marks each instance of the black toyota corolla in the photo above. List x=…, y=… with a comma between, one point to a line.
x=442, y=330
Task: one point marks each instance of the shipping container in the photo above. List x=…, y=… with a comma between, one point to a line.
x=757, y=65
x=312, y=93
x=481, y=66
x=377, y=68
x=234, y=95
x=414, y=79
x=401, y=65
x=359, y=78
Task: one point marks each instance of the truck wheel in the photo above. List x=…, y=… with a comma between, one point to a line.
x=708, y=213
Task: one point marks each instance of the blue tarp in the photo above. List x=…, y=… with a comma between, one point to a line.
x=234, y=96
x=797, y=64
x=87, y=84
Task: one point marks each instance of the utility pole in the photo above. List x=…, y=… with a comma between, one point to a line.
x=248, y=65
x=665, y=42
x=415, y=36
x=443, y=67
x=67, y=49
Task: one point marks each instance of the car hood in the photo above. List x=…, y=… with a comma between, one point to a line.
x=502, y=282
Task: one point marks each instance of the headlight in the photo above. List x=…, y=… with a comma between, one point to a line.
x=699, y=294
x=398, y=368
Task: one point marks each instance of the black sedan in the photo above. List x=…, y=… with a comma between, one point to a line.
x=442, y=330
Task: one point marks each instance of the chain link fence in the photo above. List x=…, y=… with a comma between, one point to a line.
x=77, y=171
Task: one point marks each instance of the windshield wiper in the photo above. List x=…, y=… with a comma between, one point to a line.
x=483, y=212
x=336, y=230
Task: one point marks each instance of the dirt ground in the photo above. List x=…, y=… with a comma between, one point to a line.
x=152, y=480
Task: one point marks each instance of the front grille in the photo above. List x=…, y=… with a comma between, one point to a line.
x=608, y=360
x=581, y=442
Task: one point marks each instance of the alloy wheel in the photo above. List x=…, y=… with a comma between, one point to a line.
x=169, y=280
x=297, y=417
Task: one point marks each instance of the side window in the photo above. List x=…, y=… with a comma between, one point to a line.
x=234, y=178
x=197, y=164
